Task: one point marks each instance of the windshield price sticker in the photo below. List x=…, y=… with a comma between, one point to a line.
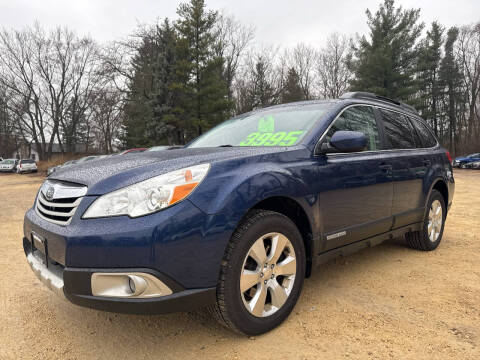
x=280, y=138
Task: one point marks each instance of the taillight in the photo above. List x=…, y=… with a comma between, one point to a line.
x=449, y=157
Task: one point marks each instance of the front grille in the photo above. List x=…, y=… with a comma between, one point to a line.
x=59, y=210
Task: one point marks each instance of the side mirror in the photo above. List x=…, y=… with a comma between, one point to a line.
x=344, y=142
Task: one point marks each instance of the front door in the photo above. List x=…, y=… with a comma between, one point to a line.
x=356, y=188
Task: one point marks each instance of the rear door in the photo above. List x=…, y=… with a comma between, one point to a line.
x=355, y=189
x=410, y=165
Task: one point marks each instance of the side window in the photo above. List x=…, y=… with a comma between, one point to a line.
x=358, y=118
x=398, y=131
x=425, y=134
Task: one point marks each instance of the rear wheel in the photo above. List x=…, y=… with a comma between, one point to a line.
x=430, y=236
x=262, y=274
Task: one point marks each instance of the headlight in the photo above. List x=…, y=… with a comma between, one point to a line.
x=148, y=196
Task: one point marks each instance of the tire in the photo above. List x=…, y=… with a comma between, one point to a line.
x=259, y=227
x=422, y=240
x=463, y=166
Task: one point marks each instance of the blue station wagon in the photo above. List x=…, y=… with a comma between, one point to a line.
x=237, y=219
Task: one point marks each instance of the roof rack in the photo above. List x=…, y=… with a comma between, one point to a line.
x=368, y=95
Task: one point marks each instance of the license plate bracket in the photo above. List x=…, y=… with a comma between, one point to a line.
x=39, y=243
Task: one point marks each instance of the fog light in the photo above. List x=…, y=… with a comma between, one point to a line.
x=132, y=285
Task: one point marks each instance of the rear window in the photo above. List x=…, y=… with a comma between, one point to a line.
x=28, y=162
x=398, y=130
x=425, y=135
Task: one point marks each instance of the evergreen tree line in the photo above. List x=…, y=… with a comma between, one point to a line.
x=184, y=78
x=171, y=81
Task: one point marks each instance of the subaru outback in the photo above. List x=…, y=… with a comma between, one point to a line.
x=237, y=219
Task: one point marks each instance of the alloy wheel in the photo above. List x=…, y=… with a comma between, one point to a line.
x=435, y=220
x=268, y=274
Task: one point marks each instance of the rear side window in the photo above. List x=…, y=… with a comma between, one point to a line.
x=398, y=131
x=358, y=118
x=426, y=137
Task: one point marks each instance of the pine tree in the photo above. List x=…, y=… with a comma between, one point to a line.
x=292, y=91
x=430, y=56
x=149, y=119
x=200, y=87
x=385, y=63
x=262, y=93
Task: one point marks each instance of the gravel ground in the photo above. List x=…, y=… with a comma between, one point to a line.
x=384, y=302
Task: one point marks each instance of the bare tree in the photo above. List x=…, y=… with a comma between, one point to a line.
x=302, y=58
x=50, y=79
x=260, y=81
x=233, y=39
x=332, y=70
x=468, y=53
x=107, y=110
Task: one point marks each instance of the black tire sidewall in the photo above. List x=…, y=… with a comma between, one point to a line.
x=435, y=195
x=239, y=315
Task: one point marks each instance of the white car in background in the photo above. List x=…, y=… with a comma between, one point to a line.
x=26, y=165
x=8, y=165
x=475, y=165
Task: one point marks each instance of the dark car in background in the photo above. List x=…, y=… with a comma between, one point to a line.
x=236, y=220
x=464, y=161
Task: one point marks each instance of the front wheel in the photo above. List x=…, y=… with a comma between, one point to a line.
x=262, y=274
x=430, y=236
x=463, y=166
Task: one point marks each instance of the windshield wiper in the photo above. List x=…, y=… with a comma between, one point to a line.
x=226, y=145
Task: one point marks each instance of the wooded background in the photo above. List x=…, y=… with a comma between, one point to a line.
x=171, y=81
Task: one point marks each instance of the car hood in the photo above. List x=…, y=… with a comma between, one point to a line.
x=105, y=175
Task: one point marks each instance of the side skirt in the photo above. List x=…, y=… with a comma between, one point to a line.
x=362, y=244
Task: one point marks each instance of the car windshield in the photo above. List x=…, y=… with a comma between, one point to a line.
x=7, y=162
x=271, y=127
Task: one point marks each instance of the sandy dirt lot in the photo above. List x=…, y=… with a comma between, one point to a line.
x=384, y=302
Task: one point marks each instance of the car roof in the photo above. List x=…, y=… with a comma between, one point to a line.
x=357, y=97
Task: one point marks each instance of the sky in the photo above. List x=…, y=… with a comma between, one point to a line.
x=277, y=22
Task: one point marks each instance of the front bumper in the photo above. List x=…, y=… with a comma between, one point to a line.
x=74, y=284
x=181, y=242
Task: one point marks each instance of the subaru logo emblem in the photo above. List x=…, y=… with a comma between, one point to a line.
x=50, y=192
